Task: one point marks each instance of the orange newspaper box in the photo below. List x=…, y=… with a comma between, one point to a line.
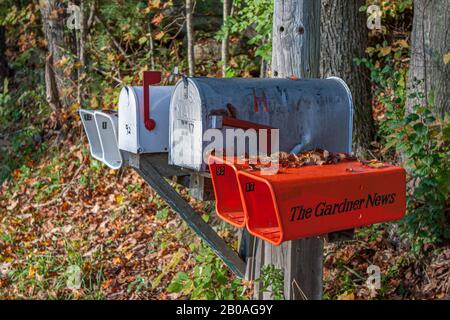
x=308, y=201
x=226, y=190
x=313, y=200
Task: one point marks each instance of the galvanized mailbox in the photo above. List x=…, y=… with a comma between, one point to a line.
x=134, y=136
x=310, y=113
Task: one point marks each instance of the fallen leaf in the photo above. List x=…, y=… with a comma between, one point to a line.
x=346, y=296
x=446, y=58
x=385, y=51
x=119, y=198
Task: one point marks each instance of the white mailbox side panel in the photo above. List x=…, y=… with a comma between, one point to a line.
x=133, y=136
x=90, y=128
x=106, y=122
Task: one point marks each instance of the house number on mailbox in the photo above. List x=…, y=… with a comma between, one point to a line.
x=220, y=171
x=249, y=187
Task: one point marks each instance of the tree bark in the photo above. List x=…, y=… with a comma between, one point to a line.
x=152, y=47
x=81, y=54
x=190, y=36
x=53, y=25
x=344, y=37
x=226, y=8
x=296, y=52
x=430, y=42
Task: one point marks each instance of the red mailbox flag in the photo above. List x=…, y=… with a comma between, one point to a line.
x=150, y=77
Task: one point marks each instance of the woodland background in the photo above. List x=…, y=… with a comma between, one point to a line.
x=72, y=229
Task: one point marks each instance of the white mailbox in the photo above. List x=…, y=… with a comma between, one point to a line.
x=90, y=127
x=134, y=136
x=106, y=122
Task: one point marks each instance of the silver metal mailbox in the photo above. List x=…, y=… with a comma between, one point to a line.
x=310, y=113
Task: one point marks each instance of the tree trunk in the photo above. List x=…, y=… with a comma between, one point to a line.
x=53, y=25
x=296, y=38
x=190, y=36
x=4, y=69
x=226, y=8
x=81, y=54
x=430, y=42
x=344, y=37
x=152, y=47
x=296, y=52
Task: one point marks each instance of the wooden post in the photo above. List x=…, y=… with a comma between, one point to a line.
x=296, y=53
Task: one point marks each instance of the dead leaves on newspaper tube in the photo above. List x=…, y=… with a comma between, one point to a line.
x=315, y=157
x=374, y=164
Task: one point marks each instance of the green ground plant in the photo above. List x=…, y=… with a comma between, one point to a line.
x=209, y=280
x=420, y=140
x=272, y=281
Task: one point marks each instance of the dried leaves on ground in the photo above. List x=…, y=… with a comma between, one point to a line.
x=71, y=228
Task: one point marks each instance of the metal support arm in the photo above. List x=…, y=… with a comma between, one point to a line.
x=155, y=179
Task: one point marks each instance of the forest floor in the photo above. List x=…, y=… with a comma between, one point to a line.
x=72, y=229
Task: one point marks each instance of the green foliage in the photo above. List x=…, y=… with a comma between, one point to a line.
x=422, y=140
x=210, y=279
x=389, y=8
x=272, y=280
x=162, y=214
x=421, y=137
x=255, y=15
x=22, y=98
x=138, y=285
x=6, y=8
x=37, y=276
x=389, y=75
x=5, y=98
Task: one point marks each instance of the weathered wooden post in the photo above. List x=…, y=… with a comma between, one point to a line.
x=296, y=53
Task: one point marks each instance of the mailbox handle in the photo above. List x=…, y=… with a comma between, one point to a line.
x=242, y=124
x=150, y=77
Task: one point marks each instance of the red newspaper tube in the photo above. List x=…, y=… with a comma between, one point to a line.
x=314, y=200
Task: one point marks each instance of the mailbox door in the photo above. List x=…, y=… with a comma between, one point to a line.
x=128, y=120
x=133, y=136
x=90, y=128
x=107, y=127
